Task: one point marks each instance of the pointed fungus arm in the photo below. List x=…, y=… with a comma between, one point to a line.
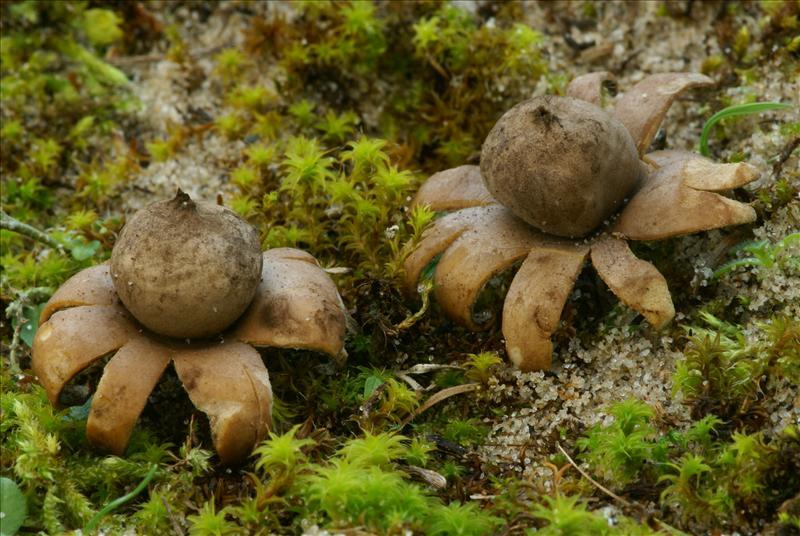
x=296, y=305
x=73, y=339
x=668, y=205
x=701, y=173
x=128, y=379
x=637, y=283
x=454, y=189
x=92, y=286
x=229, y=383
x=534, y=303
x=642, y=108
x=589, y=87
x=475, y=257
x=436, y=239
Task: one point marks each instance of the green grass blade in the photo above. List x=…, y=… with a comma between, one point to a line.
x=120, y=501
x=732, y=265
x=732, y=111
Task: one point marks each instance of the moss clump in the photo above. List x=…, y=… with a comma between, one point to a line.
x=60, y=159
x=723, y=468
x=438, y=76
x=345, y=206
x=726, y=375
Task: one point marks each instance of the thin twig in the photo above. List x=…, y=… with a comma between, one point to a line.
x=425, y=368
x=790, y=147
x=614, y=495
x=425, y=293
x=432, y=478
x=592, y=480
x=172, y=518
x=410, y=381
x=422, y=368
x=13, y=224
x=439, y=396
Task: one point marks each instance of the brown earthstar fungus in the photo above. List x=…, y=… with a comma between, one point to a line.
x=562, y=181
x=181, y=280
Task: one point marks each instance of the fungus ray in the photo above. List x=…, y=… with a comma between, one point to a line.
x=589, y=87
x=534, y=302
x=454, y=189
x=296, y=306
x=701, y=173
x=666, y=206
x=476, y=256
x=637, y=283
x=437, y=238
x=128, y=379
x=73, y=339
x=642, y=108
x=673, y=193
x=229, y=383
x=92, y=286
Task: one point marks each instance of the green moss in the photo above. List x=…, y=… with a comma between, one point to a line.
x=568, y=515
x=60, y=103
x=344, y=206
x=723, y=373
x=445, y=74
x=704, y=476
x=366, y=98
x=764, y=255
x=623, y=449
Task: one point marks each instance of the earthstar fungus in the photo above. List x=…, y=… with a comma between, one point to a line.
x=293, y=304
x=562, y=181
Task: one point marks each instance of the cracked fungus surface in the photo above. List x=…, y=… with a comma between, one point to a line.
x=224, y=376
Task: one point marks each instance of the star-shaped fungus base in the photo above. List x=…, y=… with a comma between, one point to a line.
x=296, y=306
